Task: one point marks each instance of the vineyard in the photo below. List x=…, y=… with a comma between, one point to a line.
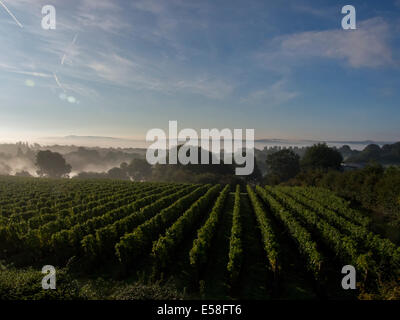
x=211, y=241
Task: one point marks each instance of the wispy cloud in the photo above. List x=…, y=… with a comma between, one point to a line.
x=275, y=94
x=100, y=5
x=315, y=10
x=140, y=75
x=368, y=46
x=111, y=62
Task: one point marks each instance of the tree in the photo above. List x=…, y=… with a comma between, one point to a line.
x=320, y=156
x=255, y=176
x=138, y=169
x=117, y=174
x=52, y=164
x=282, y=166
x=372, y=152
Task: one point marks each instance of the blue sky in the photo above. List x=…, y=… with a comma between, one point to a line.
x=119, y=68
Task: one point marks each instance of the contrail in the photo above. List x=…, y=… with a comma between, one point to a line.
x=10, y=13
x=66, y=51
x=33, y=74
x=63, y=59
x=58, y=82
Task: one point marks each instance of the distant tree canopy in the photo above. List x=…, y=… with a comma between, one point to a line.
x=373, y=152
x=216, y=171
x=282, y=166
x=139, y=169
x=52, y=164
x=388, y=154
x=320, y=156
x=117, y=174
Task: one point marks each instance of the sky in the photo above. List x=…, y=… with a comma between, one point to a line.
x=120, y=68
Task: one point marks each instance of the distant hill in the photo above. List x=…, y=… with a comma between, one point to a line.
x=93, y=141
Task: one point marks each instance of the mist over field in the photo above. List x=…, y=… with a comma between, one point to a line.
x=92, y=154
x=112, y=142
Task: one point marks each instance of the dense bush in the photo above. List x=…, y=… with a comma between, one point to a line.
x=373, y=187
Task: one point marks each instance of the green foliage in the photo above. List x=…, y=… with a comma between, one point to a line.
x=102, y=244
x=165, y=246
x=388, y=154
x=320, y=156
x=305, y=243
x=47, y=233
x=384, y=250
x=205, y=235
x=139, y=169
x=52, y=164
x=74, y=235
x=117, y=174
x=342, y=245
x=374, y=187
x=235, y=244
x=93, y=222
x=335, y=203
x=150, y=291
x=26, y=284
x=134, y=244
x=270, y=243
x=49, y=204
x=282, y=166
